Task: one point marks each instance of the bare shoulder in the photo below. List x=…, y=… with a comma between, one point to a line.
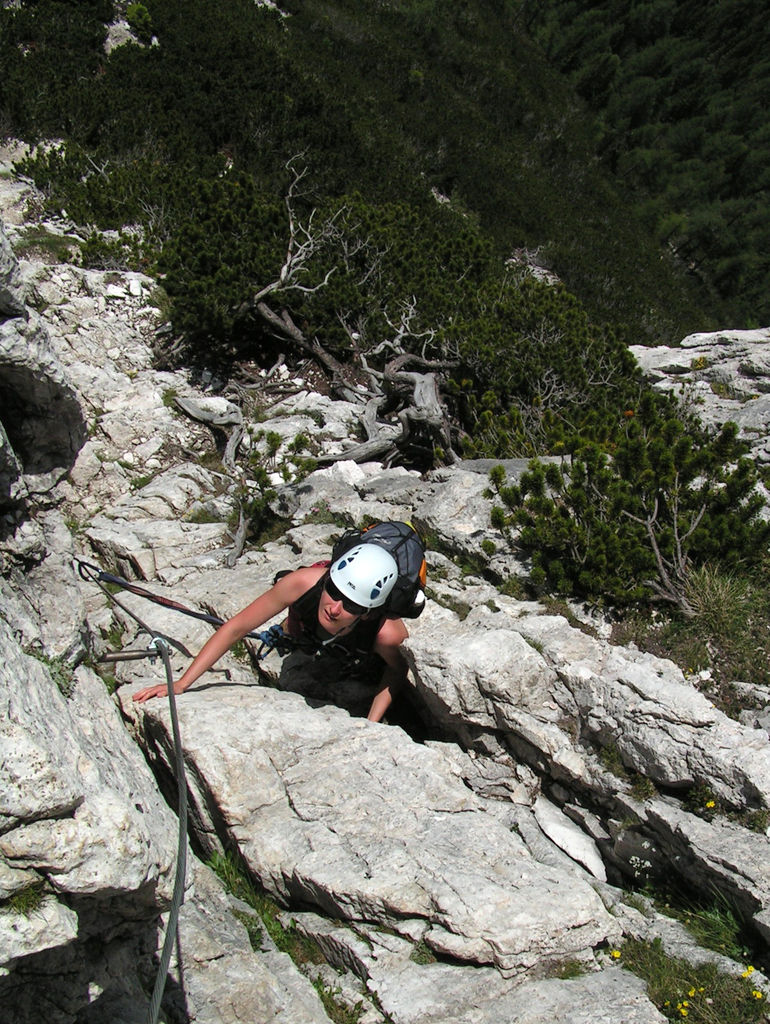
x=292, y=586
x=392, y=633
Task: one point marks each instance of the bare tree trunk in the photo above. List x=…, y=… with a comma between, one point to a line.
x=239, y=539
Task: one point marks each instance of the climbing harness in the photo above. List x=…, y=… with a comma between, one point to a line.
x=274, y=639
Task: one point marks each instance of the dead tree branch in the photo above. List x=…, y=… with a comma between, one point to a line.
x=673, y=572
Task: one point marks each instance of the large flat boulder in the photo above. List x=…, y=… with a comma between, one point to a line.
x=361, y=822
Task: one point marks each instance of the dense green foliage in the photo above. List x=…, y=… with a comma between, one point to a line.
x=541, y=377
x=682, y=89
x=632, y=524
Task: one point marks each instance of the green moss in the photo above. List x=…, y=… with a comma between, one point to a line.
x=422, y=953
x=39, y=242
x=567, y=969
x=756, y=819
x=336, y=1010
x=513, y=587
x=322, y=513
x=611, y=759
x=643, y=788
x=203, y=516
x=240, y=651
x=61, y=673
x=461, y=608
x=251, y=923
x=536, y=645
x=139, y=482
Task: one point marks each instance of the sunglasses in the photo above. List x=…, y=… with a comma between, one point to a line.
x=336, y=595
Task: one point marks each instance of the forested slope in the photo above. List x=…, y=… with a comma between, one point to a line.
x=682, y=93
x=389, y=100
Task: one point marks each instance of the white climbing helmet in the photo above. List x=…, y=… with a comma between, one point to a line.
x=365, y=575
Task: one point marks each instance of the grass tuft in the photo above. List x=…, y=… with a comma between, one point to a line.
x=713, y=925
x=699, y=994
x=719, y=599
x=422, y=953
x=59, y=670
x=27, y=900
x=336, y=1010
x=727, y=638
x=288, y=940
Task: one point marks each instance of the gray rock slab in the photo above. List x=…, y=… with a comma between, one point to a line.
x=51, y=924
x=718, y=851
x=306, y=793
x=214, y=410
x=13, y=293
x=533, y=674
x=78, y=802
x=43, y=601
x=144, y=548
x=344, y=488
x=40, y=409
x=411, y=991
x=216, y=976
x=723, y=375
x=433, y=995
x=662, y=726
x=569, y=837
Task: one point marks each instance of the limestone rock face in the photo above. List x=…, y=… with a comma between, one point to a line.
x=725, y=375
x=13, y=294
x=75, y=805
x=309, y=817
x=531, y=684
x=235, y=984
x=79, y=815
x=413, y=989
x=42, y=421
x=11, y=487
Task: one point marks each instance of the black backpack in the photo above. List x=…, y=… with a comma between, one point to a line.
x=407, y=598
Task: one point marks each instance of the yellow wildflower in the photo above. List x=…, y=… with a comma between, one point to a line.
x=747, y=972
x=757, y=995
x=710, y=803
x=691, y=993
x=616, y=954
